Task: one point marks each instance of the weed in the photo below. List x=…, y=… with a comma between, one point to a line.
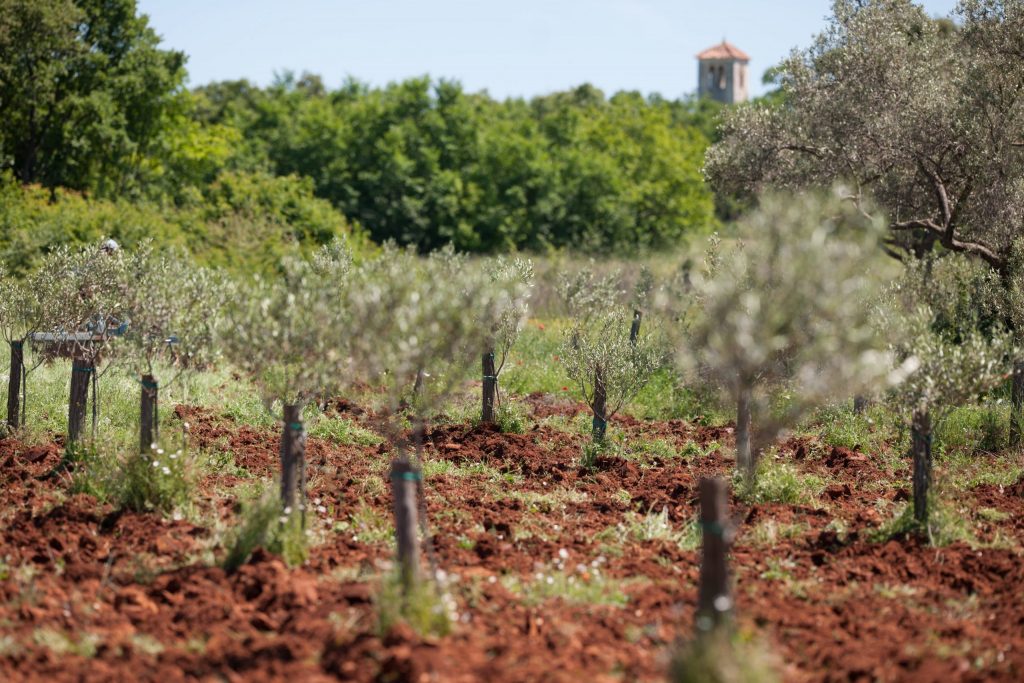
x=778, y=482
x=586, y=585
x=63, y=644
x=264, y=524
x=342, y=431
x=158, y=481
x=425, y=606
x=723, y=657
x=656, y=526
x=510, y=417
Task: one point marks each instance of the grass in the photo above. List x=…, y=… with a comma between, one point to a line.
x=584, y=585
x=655, y=526
x=425, y=606
x=263, y=523
x=779, y=482
x=341, y=431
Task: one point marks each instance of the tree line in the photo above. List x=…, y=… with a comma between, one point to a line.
x=91, y=106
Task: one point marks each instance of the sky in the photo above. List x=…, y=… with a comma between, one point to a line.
x=510, y=49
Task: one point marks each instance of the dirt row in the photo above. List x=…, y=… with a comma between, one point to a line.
x=89, y=593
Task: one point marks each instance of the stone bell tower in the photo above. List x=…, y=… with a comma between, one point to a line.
x=722, y=73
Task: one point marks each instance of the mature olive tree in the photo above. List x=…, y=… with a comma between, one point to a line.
x=926, y=116
x=789, y=304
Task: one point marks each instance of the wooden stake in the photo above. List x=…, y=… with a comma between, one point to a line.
x=405, y=479
x=490, y=384
x=82, y=370
x=293, y=456
x=744, y=455
x=921, y=446
x=600, y=408
x=860, y=404
x=715, y=604
x=14, y=385
x=634, y=329
x=148, y=413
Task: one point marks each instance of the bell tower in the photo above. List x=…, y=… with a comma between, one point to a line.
x=722, y=73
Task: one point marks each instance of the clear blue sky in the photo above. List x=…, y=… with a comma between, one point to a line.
x=522, y=48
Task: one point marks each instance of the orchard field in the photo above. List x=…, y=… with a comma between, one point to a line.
x=553, y=565
x=409, y=383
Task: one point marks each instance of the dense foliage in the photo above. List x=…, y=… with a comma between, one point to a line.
x=90, y=103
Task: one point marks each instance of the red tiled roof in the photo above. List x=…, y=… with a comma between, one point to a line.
x=724, y=50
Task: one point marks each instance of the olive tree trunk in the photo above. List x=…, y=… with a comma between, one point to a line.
x=1017, y=404
x=82, y=370
x=14, y=385
x=490, y=385
x=293, y=461
x=149, y=429
x=921, y=446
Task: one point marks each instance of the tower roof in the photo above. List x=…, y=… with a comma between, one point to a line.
x=724, y=50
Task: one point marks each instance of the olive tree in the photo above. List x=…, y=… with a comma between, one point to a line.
x=514, y=279
x=284, y=332
x=28, y=304
x=608, y=360
x=952, y=348
x=89, y=295
x=789, y=305
x=420, y=320
x=923, y=115
x=172, y=308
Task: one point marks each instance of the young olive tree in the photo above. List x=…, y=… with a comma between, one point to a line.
x=420, y=317
x=609, y=361
x=514, y=279
x=89, y=292
x=789, y=304
x=924, y=115
x=172, y=308
x=28, y=305
x=287, y=333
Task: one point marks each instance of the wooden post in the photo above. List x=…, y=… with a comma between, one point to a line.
x=405, y=478
x=14, y=385
x=714, y=603
x=82, y=370
x=634, y=329
x=921, y=445
x=293, y=456
x=860, y=404
x=600, y=408
x=148, y=430
x=490, y=384
x=1017, y=404
x=744, y=455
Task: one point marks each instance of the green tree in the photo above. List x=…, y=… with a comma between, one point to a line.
x=84, y=91
x=924, y=116
x=789, y=304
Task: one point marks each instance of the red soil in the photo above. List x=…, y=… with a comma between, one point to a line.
x=833, y=607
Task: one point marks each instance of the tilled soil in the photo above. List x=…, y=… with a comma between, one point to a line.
x=91, y=594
